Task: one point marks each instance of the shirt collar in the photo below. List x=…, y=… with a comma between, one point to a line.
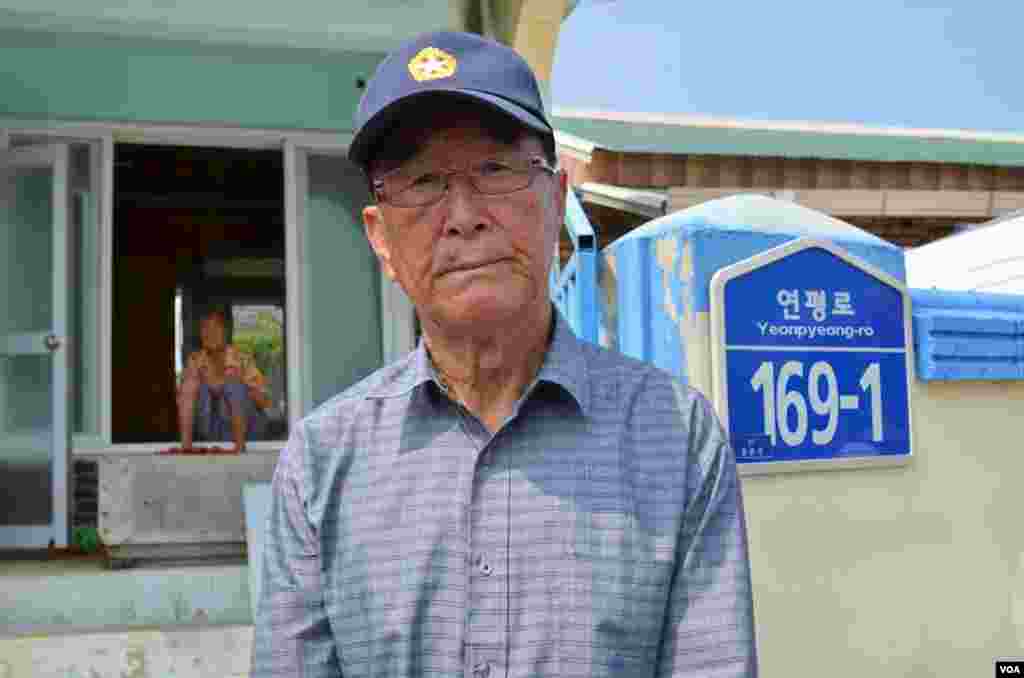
x=564, y=365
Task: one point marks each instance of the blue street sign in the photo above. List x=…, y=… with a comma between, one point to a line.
x=812, y=358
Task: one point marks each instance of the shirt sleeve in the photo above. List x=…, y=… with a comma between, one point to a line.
x=709, y=629
x=292, y=637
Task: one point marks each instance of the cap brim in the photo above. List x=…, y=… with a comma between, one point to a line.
x=362, y=144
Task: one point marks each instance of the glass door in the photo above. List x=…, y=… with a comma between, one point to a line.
x=34, y=344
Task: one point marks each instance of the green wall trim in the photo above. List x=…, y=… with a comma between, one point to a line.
x=623, y=136
x=91, y=77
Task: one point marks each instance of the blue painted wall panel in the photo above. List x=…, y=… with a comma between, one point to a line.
x=575, y=289
x=725, y=231
x=957, y=335
x=657, y=296
x=967, y=336
x=991, y=304
x=586, y=297
x=670, y=306
x=633, y=280
x=716, y=247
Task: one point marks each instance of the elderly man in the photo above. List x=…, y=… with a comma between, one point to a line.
x=506, y=500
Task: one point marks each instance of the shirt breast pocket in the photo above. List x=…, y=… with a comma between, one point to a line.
x=620, y=574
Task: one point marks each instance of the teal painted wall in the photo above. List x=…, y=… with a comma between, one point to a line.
x=328, y=24
x=342, y=280
x=99, y=77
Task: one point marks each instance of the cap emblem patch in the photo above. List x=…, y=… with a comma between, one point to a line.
x=431, y=63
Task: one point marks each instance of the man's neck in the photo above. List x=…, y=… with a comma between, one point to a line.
x=488, y=372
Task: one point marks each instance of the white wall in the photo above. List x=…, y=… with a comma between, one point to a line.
x=911, y=571
x=985, y=259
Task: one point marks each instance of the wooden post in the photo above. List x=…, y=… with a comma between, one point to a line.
x=528, y=26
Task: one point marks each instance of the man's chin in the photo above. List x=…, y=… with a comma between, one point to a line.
x=485, y=313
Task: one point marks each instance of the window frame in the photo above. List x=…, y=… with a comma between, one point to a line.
x=397, y=315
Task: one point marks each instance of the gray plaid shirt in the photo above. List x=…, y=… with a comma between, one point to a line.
x=599, y=532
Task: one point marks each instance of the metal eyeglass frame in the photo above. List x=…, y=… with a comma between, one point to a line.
x=534, y=163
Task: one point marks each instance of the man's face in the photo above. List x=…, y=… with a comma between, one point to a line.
x=211, y=332
x=471, y=258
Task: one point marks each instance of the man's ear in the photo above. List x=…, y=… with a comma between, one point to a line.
x=563, y=189
x=559, y=199
x=377, y=233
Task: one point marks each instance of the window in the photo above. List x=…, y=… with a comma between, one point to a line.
x=161, y=230
x=198, y=234
x=259, y=331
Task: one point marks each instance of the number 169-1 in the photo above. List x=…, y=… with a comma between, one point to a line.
x=780, y=395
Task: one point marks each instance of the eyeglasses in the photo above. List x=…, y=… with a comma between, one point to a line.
x=410, y=188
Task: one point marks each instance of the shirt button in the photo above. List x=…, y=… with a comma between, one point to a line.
x=482, y=670
x=482, y=565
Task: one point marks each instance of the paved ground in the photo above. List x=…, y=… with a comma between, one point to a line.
x=198, y=652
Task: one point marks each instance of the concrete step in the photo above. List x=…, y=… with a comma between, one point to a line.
x=61, y=596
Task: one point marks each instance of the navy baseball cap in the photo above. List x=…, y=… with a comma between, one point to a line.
x=463, y=65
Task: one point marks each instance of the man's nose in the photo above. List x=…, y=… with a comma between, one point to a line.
x=464, y=215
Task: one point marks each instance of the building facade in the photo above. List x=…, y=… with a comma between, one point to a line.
x=908, y=186
x=159, y=161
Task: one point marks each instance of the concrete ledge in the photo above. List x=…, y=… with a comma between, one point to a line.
x=52, y=598
x=176, y=500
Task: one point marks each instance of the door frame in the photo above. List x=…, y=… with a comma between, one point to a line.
x=57, y=531
x=397, y=319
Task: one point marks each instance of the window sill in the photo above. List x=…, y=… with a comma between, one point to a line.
x=255, y=447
